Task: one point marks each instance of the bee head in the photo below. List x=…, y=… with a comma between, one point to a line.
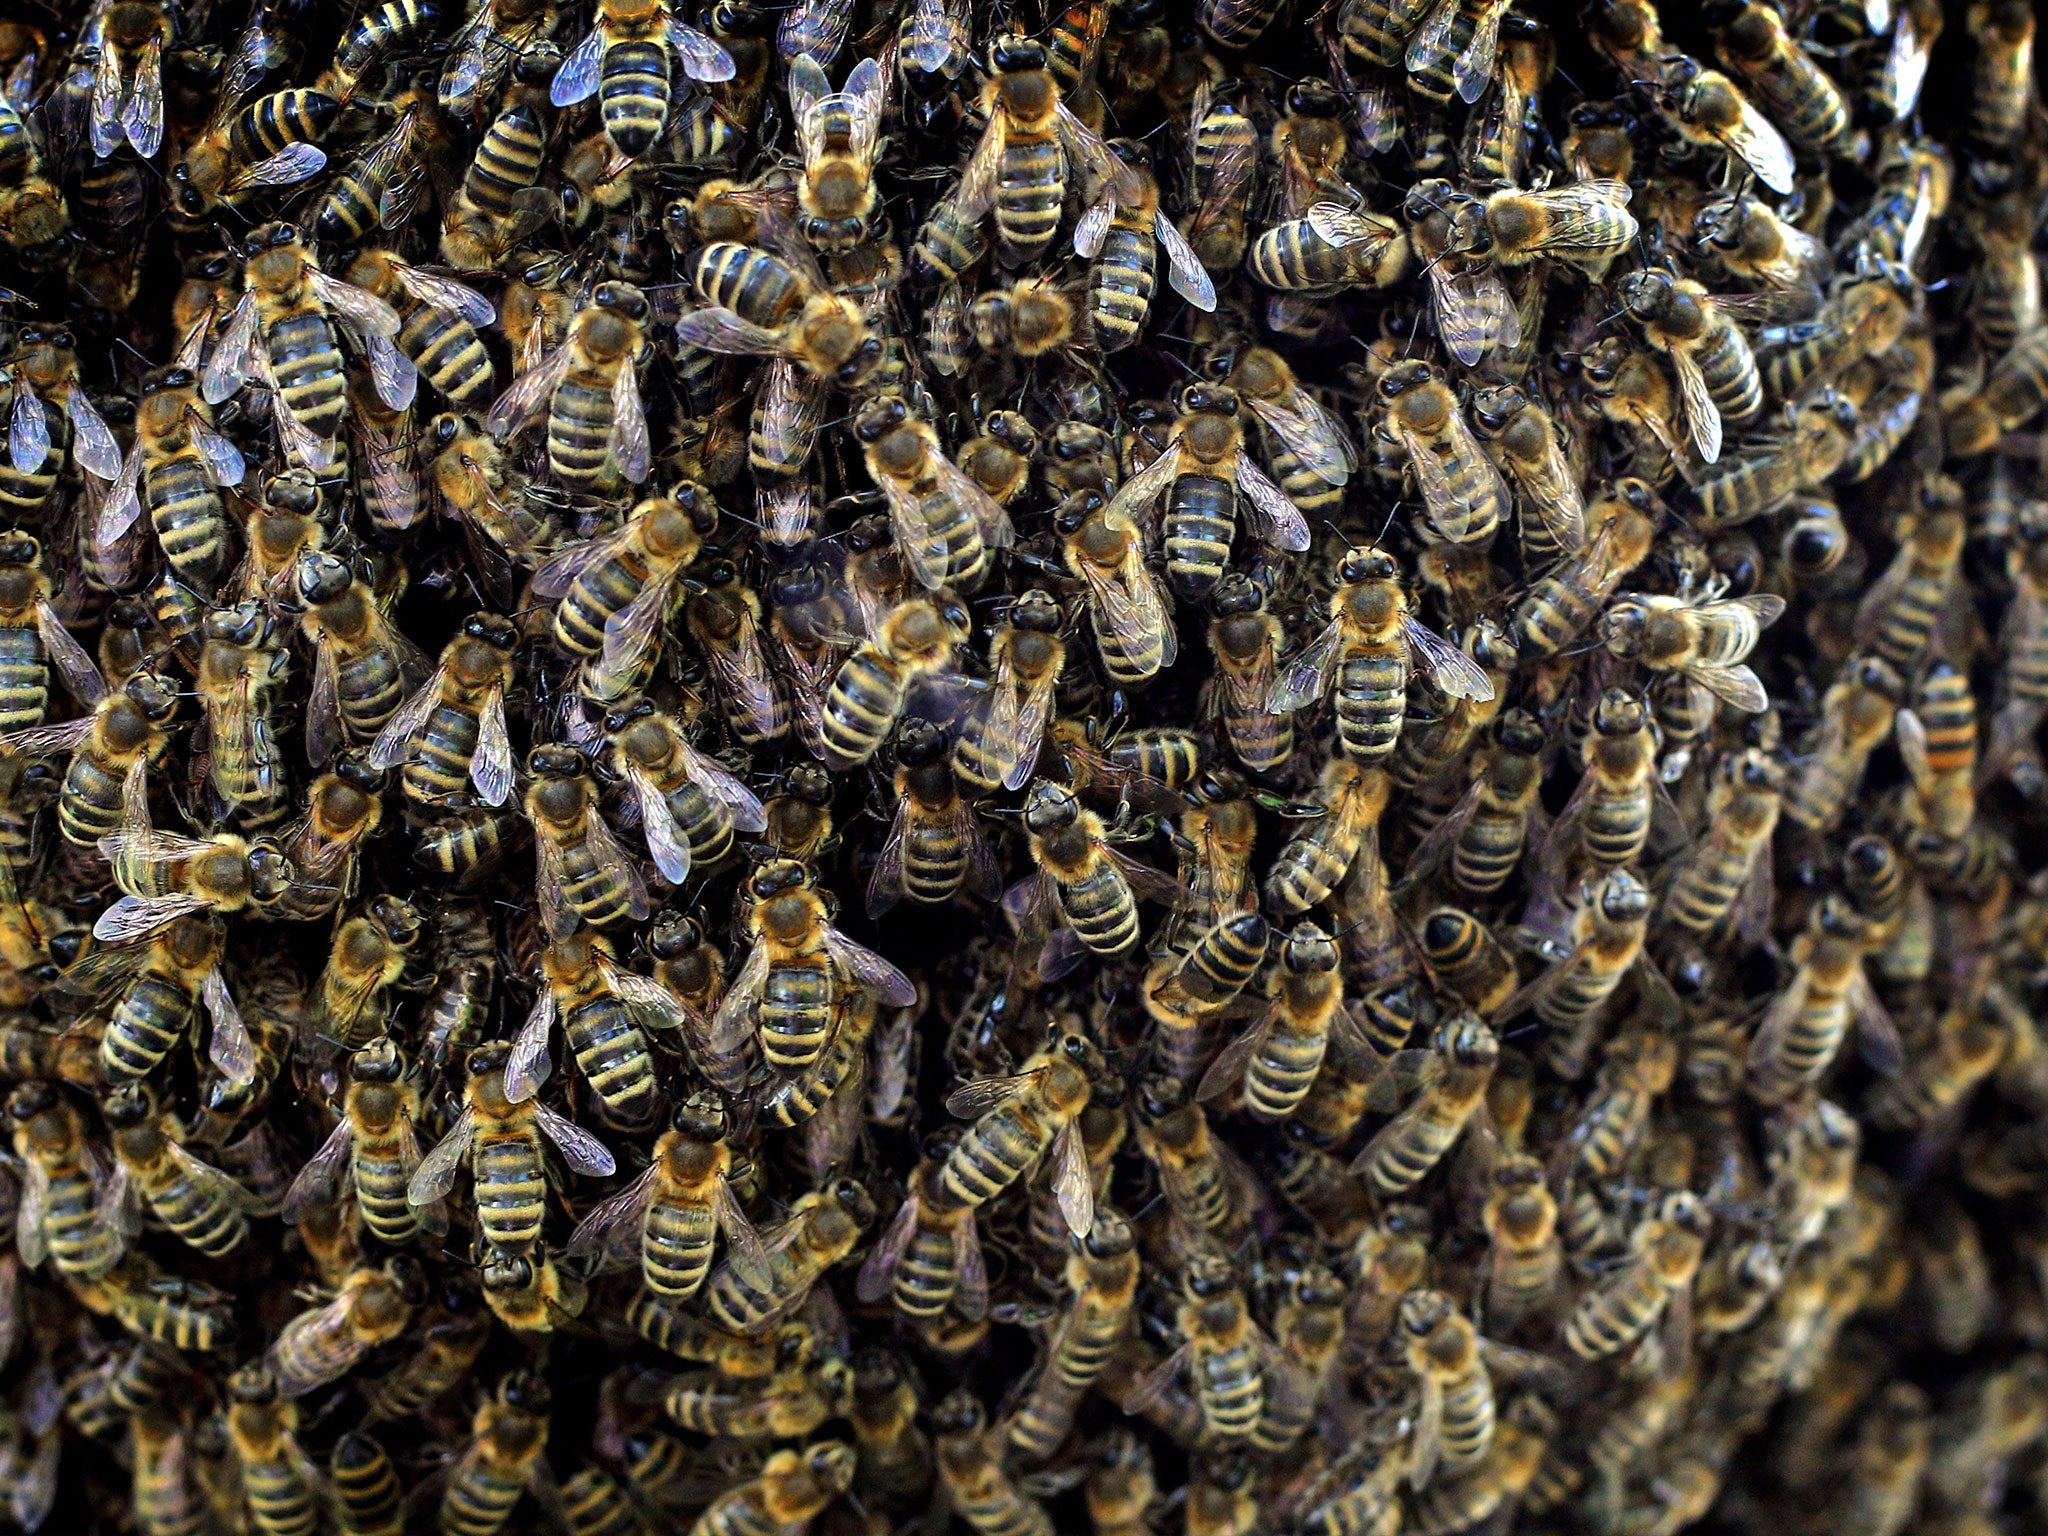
x=322, y=579
x=623, y=299
x=128, y=1106
x=377, y=1062
x=878, y=420
x=1015, y=54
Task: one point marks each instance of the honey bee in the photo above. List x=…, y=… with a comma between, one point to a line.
x=1221, y=177
x=626, y=56
x=935, y=847
x=1718, y=377
x=725, y=621
x=177, y=467
x=1279, y=1057
x=998, y=747
x=930, y=1256
x=1523, y=441
x=495, y=36
x=506, y=1451
x=1369, y=648
x=1121, y=235
x=1223, y=1351
x=1708, y=109
x=1402, y=1153
x=326, y=1342
x=602, y=1008
x=914, y=640
x=945, y=524
x=501, y=1141
x=281, y=331
x=1330, y=247
x=68, y=1211
x=363, y=668
x=278, y=1480
x=1730, y=866
x=1606, y=932
x=1856, y=714
x=1471, y=305
x=1102, y=1271
x=451, y=731
x=1753, y=243
x=207, y=1210
x=1092, y=888
x=822, y=1228
x=1805, y=1025
x=1021, y=1117
x=590, y=388
x=690, y=807
x=1704, y=640
x=1316, y=860
x=374, y=1147
x=1896, y=618
x=45, y=365
x=1793, y=91
x=1133, y=624
x=1462, y=493
x=791, y=1487
x=1651, y=1285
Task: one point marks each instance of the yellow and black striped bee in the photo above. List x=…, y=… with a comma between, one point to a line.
x=69, y=1211
x=374, y=1148
x=626, y=60
x=451, y=732
x=589, y=387
x=208, y=1210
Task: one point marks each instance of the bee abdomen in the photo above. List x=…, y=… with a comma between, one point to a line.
x=439, y=766
x=1730, y=371
x=580, y=434
x=1282, y=1071
x=706, y=821
x=675, y=1248
x=1617, y=825
x=272, y=122
x=751, y=285
x=926, y=1278
x=309, y=372
x=988, y=1160
x=380, y=1192
x=210, y=1225
x=860, y=710
x=368, y=690
x=1371, y=701
x=478, y=1503
x=1100, y=910
x=148, y=1021
x=612, y=1055
x=1487, y=852
x=279, y=1499
x=1120, y=287
x=1201, y=518
x=633, y=87
x=448, y=351
x=1031, y=184
x=507, y=162
x=1231, y=1391
x=24, y=678
x=795, y=1013
x=186, y=512
x=511, y=1192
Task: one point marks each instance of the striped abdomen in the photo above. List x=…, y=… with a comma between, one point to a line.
x=706, y=821
x=611, y=1053
x=992, y=1155
x=479, y=1500
x=1371, y=696
x=927, y=1277
x=934, y=860
x=1031, y=183
x=580, y=419
x=507, y=162
x=308, y=367
x=795, y=1012
x=381, y=1176
x=187, y=514
x=1100, y=909
x=675, y=1247
x=1730, y=371
x=1283, y=1069
x=1617, y=823
x=205, y=1221
x=151, y=1017
x=598, y=592
x=448, y=353
x=271, y=123
x=752, y=285
x=1120, y=286
x=441, y=753
x=860, y=709
x=24, y=677
x=280, y=1499
x=80, y=1242
x=633, y=91
x=1201, y=519
x=511, y=1189
x=1230, y=1388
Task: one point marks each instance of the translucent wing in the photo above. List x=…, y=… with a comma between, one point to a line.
x=1473, y=310
x=665, y=839
x=1311, y=435
x=1701, y=414
x=928, y=38
x=996, y=530
x=720, y=330
x=739, y=1231
x=1445, y=508
x=580, y=1150
x=234, y=355
x=137, y=917
x=1093, y=226
x=229, y=1046
x=972, y=1100
x=92, y=444
x=321, y=1170
x=79, y=673
x=1143, y=488
x=1083, y=146
x=577, y=78
x=1230, y=1063
x=293, y=163
x=613, y=1227
x=529, y=393
x=1071, y=1186
x=1130, y=605
x=527, y=1067
x=1432, y=43
x=977, y=190
x=1426, y=1447
x=1474, y=69
x=444, y=293
x=1877, y=1034
x=748, y=814
x=629, y=425
x=1737, y=684
x=878, y=1271
x=733, y=1019
x=703, y=59
x=490, y=770
x=436, y=1172
x=105, y=128
x=35, y=1494
x=394, y=743
x=28, y=430
x=870, y=970
x=1307, y=677
x=142, y=114
x=1763, y=147
x=225, y=465
x=224, y=1187
x=885, y=885
x=1448, y=667
x=1275, y=520
x=28, y=1216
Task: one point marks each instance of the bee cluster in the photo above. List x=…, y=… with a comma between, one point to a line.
x=1411, y=633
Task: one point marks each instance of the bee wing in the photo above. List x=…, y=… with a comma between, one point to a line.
x=221, y=459
x=1027, y=728
x=527, y=1067
x=293, y=163
x=34, y=1495
x=1310, y=434
x=28, y=429
x=1426, y=1445
x=612, y=1229
x=221, y=1184
x=894, y=1048
x=1228, y=1067
x=394, y=743
x=1151, y=1387
x=1071, y=1186
x=528, y=394
x=576, y=80
x=137, y=917
x=364, y=311
x=1185, y=273
x=490, y=769
x=321, y=1170
x=610, y=855
x=436, y=1172
x=1579, y=212
x=234, y=354
x=878, y=1270
x=74, y=667
x=580, y=1150
x=446, y=294
x=1307, y=677
x=92, y=443
x=1473, y=310
x=1147, y=883
x=870, y=970
x=923, y=549
x=1085, y=148
x=885, y=885
x=1130, y=603
x=720, y=330
x=229, y=1046
x=1474, y=69
x=1448, y=667
x=28, y=1215
x=665, y=839
x=49, y=740
x=1275, y=519
x=1877, y=1036
x=1445, y=509
x=984, y=873
x=629, y=425
x=732, y=1021
x=928, y=42
x=141, y=116
x=1540, y=986
x=972, y=1100
x=996, y=530
x=703, y=59
x=1702, y=416
x=1736, y=684
x=1143, y=488
x=629, y=632
x=1437, y=844
x=1432, y=42
x=1762, y=146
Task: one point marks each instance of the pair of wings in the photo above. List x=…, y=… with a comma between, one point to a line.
x=815, y=104
x=984, y=875
x=1275, y=520
x=923, y=546
x=666, y=840
x=650, y=1005
x=532, y=390
x=490, y=766
x=1308, y=675
x=1072, y=1187
x=1448, y=510
x=435, y=1175
x=612, y=1230
x=219, y=460
x=577, y=80
x=853, y=961
x=28, y=431
x=878, y=1272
